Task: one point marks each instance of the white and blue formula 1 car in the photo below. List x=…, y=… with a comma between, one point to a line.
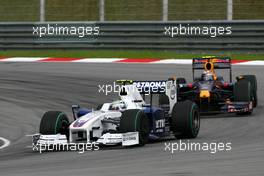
x=127, y=121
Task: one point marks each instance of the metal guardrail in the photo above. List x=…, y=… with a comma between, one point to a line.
x=247, y=36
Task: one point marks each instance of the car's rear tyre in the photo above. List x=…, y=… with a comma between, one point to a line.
x=185, y=120
x=243, y=93
x=135, y=120
x=163, y=99
x=181, y=81
x=253, y=81
x=54, y=122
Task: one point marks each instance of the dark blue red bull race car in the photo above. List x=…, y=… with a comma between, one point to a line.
x=213, y=94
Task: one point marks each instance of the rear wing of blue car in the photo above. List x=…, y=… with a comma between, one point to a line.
x=211, y=63
x=218, y=62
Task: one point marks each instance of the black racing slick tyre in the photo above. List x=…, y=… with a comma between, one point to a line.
x=243, y=93
x=253, y=81
x=181, y=81
x=54, y=122
x=185, y=120
x=163, y=99
x=135, y=120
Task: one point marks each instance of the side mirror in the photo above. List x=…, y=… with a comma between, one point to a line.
x=239, y=78
x=75, y=109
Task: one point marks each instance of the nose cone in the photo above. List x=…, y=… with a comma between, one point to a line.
x=204, y=94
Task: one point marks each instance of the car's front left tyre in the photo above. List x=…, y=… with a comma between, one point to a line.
x=253, y=82
x=185, y=122
x=54, y=122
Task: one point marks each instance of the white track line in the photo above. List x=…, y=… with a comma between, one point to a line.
x=251, y=63
x=98, y=60
x=173, y=61
x=6, y=143
x=23, y=59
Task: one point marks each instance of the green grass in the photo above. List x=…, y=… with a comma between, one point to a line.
x=118, y=54
x=88, y=10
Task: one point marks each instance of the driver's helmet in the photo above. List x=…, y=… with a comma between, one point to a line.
x=117, y=106
x=207, y=76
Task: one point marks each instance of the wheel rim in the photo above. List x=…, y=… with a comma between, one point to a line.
x=63, y=127
x=196, y=121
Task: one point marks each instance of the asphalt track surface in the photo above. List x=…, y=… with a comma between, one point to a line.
x=27, y=90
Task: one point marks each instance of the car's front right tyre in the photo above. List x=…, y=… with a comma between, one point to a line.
x=135, y=120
